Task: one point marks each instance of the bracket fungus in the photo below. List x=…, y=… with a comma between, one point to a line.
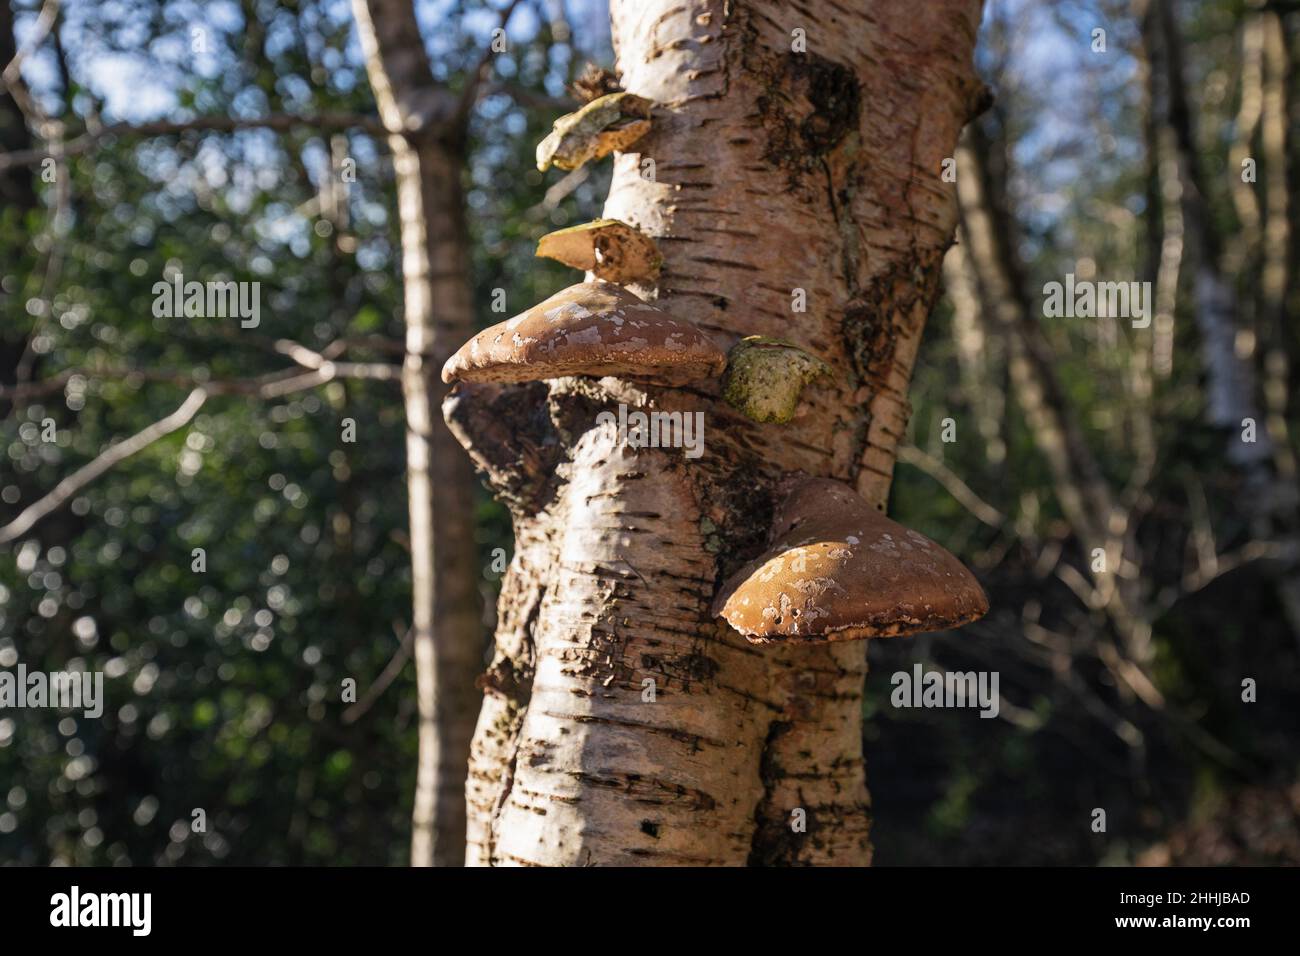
x=595, y=329
x=766, y=376
x=610, y=122
x=836, y=569
x=613, y=250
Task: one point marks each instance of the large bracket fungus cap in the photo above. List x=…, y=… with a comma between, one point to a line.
x=610, y=122
x=593, y=328
x=838, y=570
x=613, y=250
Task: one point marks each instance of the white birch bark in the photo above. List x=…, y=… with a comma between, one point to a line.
x=774, y=171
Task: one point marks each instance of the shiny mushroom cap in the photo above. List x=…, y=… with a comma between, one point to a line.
x=611, y=249
x=593, y=328
x=839, y=570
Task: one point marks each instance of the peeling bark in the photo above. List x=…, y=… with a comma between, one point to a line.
x=621, y=724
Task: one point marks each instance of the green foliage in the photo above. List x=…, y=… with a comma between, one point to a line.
x=224, y=689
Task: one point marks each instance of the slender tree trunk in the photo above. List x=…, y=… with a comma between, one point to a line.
x=17, y=184
x=17, y=189
x=428, y=156
x=1277, y=238
x=1275, y=277
x=621, y=723
x=1090, y=504
x=1230, y=372
x=1230, y=376
x=988, y=251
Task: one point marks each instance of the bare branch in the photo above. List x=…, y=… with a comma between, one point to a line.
x=562, y=189
x=385, y=678
x=285, y=382
x=329, y=369
x=961, y=492
x=376, y=343
x=280, y=122
x=531, y=99
x=12, y=73
x=1284, y=552
x=1088, y=595
x=275, y=385
x=266, y=386
x=474, y=80
x=87, y=473
x=26, y=390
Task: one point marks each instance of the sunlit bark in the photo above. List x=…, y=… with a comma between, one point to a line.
x=773, y=171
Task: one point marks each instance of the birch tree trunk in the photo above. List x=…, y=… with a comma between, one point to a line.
x=427, y=142
x=621, y=724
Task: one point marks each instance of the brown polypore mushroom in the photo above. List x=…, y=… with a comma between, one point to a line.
x=613, y=250
x=593, y=328
x=836, y=569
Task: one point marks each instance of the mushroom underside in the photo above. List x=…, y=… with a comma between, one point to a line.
x=629, y=366
x=594, y=329
x=838, y=570
x=771, y=601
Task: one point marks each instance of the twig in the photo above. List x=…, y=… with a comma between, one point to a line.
x=386, y=677
x=87, y=473
x=58, y=222
x=12, y=70
x=273, y=386
x=561, y=191
x=1201, y=578
x=474, y=78
x=532, y=99
x=281, y=122
x=266, y=386
x=961, y=492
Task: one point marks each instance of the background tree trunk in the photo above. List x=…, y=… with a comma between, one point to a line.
x=17, y=189
x=427, y=140
x=17, y=185
x=773, y=171
x=1230, y=377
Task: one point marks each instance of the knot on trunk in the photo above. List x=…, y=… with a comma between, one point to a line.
x=811, y=106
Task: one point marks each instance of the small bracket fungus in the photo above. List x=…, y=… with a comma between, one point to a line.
x=839, y=570
x=607, y=123
x=593, y=328
x=613, y=250
x=766, y=376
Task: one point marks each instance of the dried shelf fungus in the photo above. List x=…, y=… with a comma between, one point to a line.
x=594, y=329
x=613, y=250
x=610, y=122
x=836, y=569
